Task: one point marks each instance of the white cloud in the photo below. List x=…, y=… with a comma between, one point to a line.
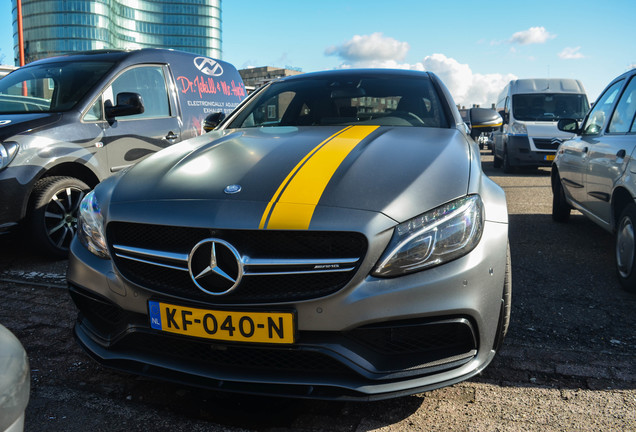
x=466, y=86
x=570, y=53
x=379, y=51
x=534, y=35
x=372, y=47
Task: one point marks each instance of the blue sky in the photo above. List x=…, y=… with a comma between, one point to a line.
x=475, y=47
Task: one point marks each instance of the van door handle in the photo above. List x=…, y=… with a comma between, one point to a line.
x=621, y=154
x=172, y=136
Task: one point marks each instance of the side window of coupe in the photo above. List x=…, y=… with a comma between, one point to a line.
x=623, y=118
x=601, y=110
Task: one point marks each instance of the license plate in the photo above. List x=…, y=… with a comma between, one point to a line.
x=235, y=326
x=549, y=157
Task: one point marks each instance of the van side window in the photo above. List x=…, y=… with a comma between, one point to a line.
x=150, y=83
x=601, y=110
x=623, y=117
x=95, y=112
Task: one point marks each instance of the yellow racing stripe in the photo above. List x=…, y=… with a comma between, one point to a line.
x=293, y=204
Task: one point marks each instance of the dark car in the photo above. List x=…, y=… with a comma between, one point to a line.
x=66, y=123
x=335, y=237
x=594, y=172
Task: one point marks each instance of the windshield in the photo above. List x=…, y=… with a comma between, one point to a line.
x=549, y=106
x=51, y=87
x=387, y=100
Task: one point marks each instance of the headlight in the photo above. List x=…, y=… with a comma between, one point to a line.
x=90, y=229
x=518, y=129
x=441, y=235
x=8, y=151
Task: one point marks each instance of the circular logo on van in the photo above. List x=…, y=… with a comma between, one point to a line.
x=208, y=66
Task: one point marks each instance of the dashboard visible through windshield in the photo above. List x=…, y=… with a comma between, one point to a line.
x=549, y=106
x=51, y=87
x=368, y=101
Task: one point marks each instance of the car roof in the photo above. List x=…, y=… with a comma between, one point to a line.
x=114, y=55
x=368, y=73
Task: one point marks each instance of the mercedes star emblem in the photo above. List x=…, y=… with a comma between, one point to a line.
x=215, y=266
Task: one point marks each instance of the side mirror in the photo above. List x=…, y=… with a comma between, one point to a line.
x=212, y=121
x=569, y=125
x=127, y=104
x=504, y=116
x=483, y=120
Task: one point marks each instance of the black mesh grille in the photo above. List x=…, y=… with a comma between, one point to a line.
x=416, y=338
x=403, y=348
x=546, y=143
x=231, y=357
x=261, y=244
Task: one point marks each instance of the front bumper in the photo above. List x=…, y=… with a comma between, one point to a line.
x=373, y=339
x=15, y=188
x=521, y=153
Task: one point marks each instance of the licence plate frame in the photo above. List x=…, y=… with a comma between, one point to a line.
x=229, y=325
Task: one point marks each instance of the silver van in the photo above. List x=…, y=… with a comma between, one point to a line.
x=530, y=109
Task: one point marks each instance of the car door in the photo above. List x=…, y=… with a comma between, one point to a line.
x=129, y=139
x=575, y=153
x=609, y=156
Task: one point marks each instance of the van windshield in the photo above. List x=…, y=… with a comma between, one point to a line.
x=50, y=87
x=549, y=106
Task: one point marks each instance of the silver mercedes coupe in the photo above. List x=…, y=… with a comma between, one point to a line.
x=334, y=237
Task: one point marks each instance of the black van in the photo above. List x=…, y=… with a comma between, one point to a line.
x=68, y=122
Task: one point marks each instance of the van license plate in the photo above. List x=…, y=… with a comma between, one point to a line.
x=235, y=326
x=549, y=157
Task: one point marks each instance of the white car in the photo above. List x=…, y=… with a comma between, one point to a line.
x=15, y=382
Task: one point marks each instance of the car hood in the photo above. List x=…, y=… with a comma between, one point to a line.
x=287, y=171
x=13, y=124
x=546, y=130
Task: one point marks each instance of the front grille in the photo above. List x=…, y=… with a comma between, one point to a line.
x=546, y=143
x=416, y=344
x=232, y=357
x=280, y=266
x=393, y=350
x=417, y=337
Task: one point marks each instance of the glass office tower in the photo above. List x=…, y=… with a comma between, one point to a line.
x=53, y=27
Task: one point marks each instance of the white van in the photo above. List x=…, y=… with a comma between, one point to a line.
x=530, y=109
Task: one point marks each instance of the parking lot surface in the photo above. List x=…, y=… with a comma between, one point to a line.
x=568, y=363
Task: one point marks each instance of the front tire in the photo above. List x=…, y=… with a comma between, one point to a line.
x=496, y=162
x=626, y=248
x=560, y=207
x=507, y=168
x=53, y=213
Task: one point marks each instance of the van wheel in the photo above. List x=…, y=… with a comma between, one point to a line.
x=507, y=168
x=53, y=213
x=496, y=162
x=626, y=248
x=560, y=207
